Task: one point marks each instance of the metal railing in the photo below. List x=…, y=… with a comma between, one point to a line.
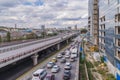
x=29, y=51
x=25, y=44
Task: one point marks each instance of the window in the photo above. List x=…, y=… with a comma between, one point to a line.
x=118, y=53
x=118, y=29
x=117, y=17
x=118, y=1
x=119, y=42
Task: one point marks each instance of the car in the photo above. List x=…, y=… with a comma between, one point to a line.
x=50, y=77
x=62, y=53
x=54, y=60
x=66, y=74
x=72, y=59
x=39, y=74
x=67, y=66
x=50, y=64
x=55, y=69
x=59, y=56
x=67, y=56
x=63, y=60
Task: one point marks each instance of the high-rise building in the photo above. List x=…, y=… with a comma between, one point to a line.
x=109, y=34
x=93, y=22
x=75, y=27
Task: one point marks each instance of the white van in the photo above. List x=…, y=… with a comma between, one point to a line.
x=74, y=53
x=39, y=74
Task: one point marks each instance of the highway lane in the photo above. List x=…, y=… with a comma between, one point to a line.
x=23, y=41
x=59, y=75
x=28, y=74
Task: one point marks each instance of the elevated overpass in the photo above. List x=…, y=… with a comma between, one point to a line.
x=14, y=53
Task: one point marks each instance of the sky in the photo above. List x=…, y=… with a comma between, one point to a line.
x=51, y=13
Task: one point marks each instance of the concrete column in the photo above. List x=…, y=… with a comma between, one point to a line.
x=67, y=41
x=71, y=38
x=58, y=46
x=35, y=59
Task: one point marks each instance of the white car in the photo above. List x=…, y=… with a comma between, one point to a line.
x=67, y=56
x=39, y=74
x=68, y=66
x=72, y=59
x=59, y=56
x=55, y=69
x=50, y=64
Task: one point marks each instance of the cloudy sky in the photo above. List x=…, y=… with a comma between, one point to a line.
x=51, y=13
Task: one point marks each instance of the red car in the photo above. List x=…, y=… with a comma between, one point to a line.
x=50, y=77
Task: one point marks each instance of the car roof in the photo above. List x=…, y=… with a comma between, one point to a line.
x=38, y=71
x=50, y=62
x=67, y=63
x=55, y=66
x=49, y=75
x=66, y=70
x=54, y=58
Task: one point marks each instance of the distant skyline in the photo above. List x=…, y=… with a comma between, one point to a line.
x=51, y=13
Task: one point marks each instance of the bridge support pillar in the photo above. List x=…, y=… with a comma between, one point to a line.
x=58, y=46
x=71, y=38
x=35, y=59
x=67, y=41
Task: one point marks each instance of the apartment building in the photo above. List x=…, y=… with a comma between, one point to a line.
x=109, y=34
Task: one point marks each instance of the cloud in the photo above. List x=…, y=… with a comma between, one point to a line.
x=52, y=13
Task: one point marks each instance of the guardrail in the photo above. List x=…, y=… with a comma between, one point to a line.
x=13, y=57
x=25, y=44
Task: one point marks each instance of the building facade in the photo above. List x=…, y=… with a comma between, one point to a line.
x=109, y=34
x=93, y=21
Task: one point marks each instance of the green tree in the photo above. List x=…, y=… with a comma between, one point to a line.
x=8, y=37
x=83, y=30
x=43, y=34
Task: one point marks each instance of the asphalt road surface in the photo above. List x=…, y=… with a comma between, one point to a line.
x=59, y=75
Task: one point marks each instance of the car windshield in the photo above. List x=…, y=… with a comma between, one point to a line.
x=36, y=75
x=66, y=72
x=55, y=67
x=50, y=63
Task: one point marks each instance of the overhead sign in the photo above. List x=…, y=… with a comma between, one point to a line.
x=81, y=48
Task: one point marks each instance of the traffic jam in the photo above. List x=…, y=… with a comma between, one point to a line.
x=61, y=67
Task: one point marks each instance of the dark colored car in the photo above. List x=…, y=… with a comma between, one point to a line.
x=63, y=60
x=50, y=77
x=66, y=75
x=62, y=53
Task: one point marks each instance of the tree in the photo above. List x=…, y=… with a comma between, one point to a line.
x=8, y=37
x=83, y=30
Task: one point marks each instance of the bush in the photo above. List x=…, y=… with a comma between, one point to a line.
x=89, y=65
x=96, y=64
x=90, y=75
x=102, y=59
x=110, y=77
